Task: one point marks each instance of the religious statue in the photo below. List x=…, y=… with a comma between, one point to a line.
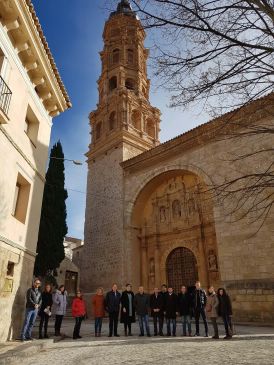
x=176, y=209
x=212, y=261
x=162, y=214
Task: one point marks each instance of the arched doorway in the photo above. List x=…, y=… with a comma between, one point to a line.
x=181, y=268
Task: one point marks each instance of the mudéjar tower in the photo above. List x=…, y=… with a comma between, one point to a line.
x=123, y=126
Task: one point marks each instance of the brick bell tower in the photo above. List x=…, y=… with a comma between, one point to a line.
x=123, y=126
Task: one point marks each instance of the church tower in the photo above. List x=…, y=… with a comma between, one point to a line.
x=123, y=126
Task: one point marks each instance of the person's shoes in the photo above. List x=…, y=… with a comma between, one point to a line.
x=22, y=339
x=215, y=337
x=161, y=334
x=57, y=334
x=110, y=335
x=117, y=335
x=75, y=338
x=148, y=335
x=184, y=334
x=155, y=334
x=46, y=336
x=197, y=334
x=227, y=337
x=141, y=335
x=206, y=335
x=79, y=336
x=40, y=337
x=29, y=339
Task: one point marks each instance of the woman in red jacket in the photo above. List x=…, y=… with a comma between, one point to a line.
x=78, y=312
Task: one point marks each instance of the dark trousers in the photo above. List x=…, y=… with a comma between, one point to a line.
x=58, y=324
x=158, y=318
x=215, y=326
x=77, y=327
x=98, y=324
x=161, y=323
x=197, y=313
x=44, y=320
x=127, y=325
x=227, y=324
x=170, y=321
x=113, y=322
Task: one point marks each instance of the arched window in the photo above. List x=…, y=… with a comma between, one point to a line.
x=130, y=56
x=113, y=83
x=98, y=130
x=136, y=119
x=112, y=121
x=115, y=56
x=130, y=84
x=150, y=128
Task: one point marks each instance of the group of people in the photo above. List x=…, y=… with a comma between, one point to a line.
x=163, y=306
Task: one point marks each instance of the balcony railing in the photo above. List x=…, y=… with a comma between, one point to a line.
x=5, y=96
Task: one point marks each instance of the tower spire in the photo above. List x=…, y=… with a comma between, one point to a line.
x=124, y=7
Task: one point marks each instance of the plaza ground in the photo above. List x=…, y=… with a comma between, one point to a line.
x=251, y=345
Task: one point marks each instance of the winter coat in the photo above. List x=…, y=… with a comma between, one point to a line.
x=171, y=306
x=125, y=317
x=59, y=306
x=184, y=304
x=225, y=307
x=141, y=303
x=157, y=303
x=78, y=307
x=199, y=294
x=34, y=297
x=212, y=306
x=46, y=302
x=113, y=301
x=98, y=305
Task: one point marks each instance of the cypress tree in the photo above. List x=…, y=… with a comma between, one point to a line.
x=53, y=227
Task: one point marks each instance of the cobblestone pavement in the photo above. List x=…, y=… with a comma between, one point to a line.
x=251, y=345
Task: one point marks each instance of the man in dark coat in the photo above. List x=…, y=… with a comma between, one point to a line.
x=199, y=304
x=164, y=296
x=184, y=305
x=141, y=303
x=171, y=310
x=156, y=306
x=34, y=301
x=127, y=309
x=113, y=299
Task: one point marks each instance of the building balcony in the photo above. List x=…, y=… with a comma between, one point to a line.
x=5, y=98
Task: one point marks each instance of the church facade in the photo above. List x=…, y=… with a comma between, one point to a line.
x=151, y=216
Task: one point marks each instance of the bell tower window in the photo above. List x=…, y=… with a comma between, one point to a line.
x=111, y=121
x=130, y=84
x=113, y=83
x=150, y=128
x=98, y=130
x=130, y=56
x=136, y=119
x=115, y=56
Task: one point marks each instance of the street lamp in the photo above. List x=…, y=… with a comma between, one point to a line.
x=66, y=159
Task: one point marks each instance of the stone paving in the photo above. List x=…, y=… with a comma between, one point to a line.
x=251, y=345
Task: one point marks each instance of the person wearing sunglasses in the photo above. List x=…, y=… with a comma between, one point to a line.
x=33, y=303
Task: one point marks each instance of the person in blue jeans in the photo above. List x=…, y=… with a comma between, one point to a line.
x=141, y=304
x=34, y=301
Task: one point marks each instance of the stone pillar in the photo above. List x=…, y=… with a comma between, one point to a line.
x=157, y=266
x=144, y=262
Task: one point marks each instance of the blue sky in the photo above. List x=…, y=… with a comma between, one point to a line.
x=74, y=33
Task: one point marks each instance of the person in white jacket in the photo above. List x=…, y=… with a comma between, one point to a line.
x=59, y=308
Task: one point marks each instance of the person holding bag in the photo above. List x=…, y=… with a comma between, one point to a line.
x=78, y=312
x=45, y=311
